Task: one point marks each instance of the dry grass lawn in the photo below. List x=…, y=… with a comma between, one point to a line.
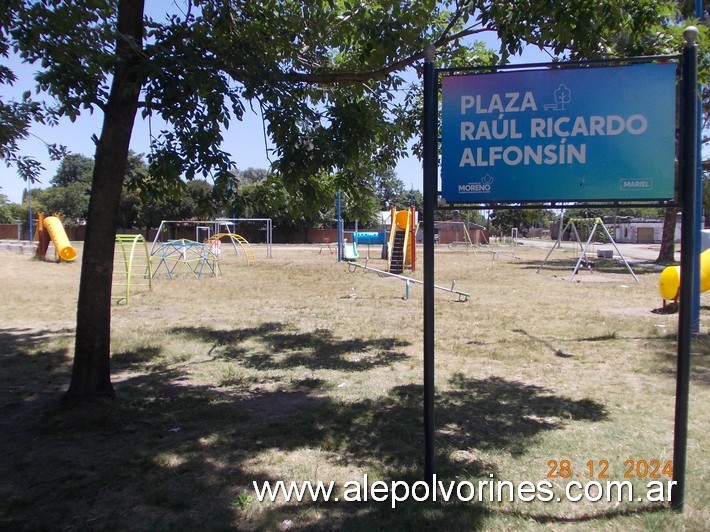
x=298, y=369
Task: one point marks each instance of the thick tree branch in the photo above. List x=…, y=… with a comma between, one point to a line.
x=329, y=78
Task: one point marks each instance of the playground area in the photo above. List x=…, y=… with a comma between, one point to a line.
x=300, y=368
x=171, y=253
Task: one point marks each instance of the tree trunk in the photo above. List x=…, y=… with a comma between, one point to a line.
x=91, y=373
x=667, y=252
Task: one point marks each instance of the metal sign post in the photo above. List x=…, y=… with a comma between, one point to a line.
x=689, y=261
x=566, y=135
x=430, y=164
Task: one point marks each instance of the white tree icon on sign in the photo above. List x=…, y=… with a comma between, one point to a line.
x=562, y=97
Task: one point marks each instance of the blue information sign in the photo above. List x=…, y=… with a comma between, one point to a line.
x=583, y=134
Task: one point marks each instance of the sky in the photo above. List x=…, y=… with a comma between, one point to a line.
x=245, y=140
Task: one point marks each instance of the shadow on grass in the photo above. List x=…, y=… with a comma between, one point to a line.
x=172, y=453
x=558, y=352
x=500, y=414
x=32, y=362
x=127, y=359
x=667, y=357
x=283, y=349
x=15, y=341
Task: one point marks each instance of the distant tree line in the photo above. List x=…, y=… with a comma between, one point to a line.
x=258, y=193
x=250, y=193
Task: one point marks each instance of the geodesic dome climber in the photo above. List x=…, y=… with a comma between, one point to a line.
x=214, y=243
x=184, y=256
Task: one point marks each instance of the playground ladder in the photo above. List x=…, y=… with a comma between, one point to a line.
x=397, y=257
x=131, y=266
x=399, y=252
x=246, y=247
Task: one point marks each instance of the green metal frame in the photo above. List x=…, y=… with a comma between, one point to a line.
x=123, y=265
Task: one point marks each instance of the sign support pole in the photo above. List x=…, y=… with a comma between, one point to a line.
x=430, y=166
x=689, y=262
x=697, y=236
x=340, y=227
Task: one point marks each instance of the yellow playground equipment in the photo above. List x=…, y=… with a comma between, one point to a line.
x=669, y=283
x=401, y=248
x=51, y=228
x=131, y=267
x=214, y=244
x=59, y=238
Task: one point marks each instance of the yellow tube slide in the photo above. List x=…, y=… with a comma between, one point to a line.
x=669, y=284
x=59, y=238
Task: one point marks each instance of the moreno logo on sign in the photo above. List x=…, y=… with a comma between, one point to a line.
x=473, y=188
x=482, y=186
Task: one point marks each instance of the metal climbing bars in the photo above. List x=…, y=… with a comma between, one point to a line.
x=131, y=267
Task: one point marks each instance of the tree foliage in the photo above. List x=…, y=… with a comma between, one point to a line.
x=70, y=190
x=7, y=214
x=503, y=220
x=74, y=168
